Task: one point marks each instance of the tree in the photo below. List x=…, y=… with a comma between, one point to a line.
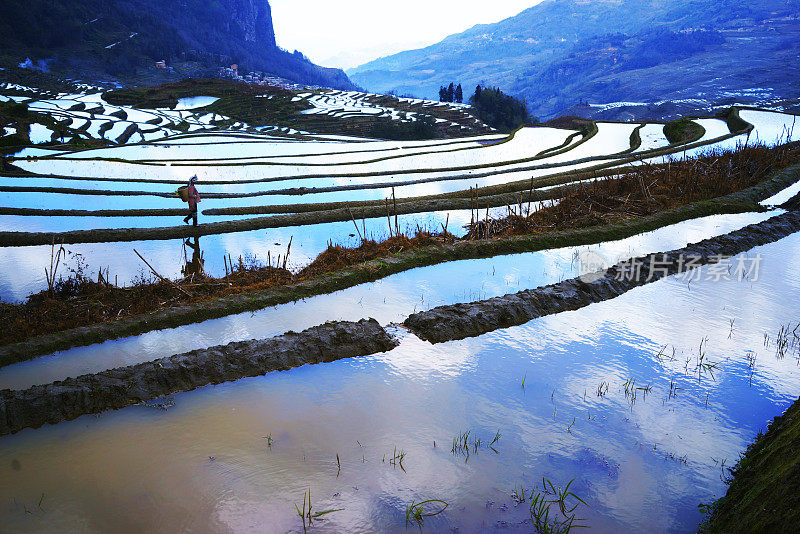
x=459, y=96
x=442, y=94
x=498, y=109
x=450, y=92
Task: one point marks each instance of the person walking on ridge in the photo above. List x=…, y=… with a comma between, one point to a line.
x=194, y=198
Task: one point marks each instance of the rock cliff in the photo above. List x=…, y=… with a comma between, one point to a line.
x=93, y=39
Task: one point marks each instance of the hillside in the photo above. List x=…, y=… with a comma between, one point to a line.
x=123, y=40
x=564, y=52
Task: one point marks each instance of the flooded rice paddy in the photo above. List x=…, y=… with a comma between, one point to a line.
x=639, y=405
x=390, y=299
x=613, y=399
x=166, y=162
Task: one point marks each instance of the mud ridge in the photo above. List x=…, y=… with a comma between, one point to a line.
x=117, y=388
x=166, y=212
x=459, y=321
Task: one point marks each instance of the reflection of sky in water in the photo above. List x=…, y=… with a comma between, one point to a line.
x=45, y=223
x=638, y=464
x=146, y=469
x=28, y=262
x=771, y=126
x=104, y=201
x=24, y=266
x=227, y=147
x=387, y=300
x=652, y=136
x=167, y=257
x=611, y=138
x=714, y=128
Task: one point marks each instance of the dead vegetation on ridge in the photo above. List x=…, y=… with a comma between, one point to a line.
x=645, y=190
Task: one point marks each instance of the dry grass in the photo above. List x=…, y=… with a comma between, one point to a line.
x=78, y=301
x=337, y=257
x=646, y=190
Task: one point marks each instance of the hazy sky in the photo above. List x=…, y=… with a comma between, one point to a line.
x=347, y=33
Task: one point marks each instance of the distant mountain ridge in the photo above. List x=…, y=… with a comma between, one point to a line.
x=560, y=53
x=124, y=38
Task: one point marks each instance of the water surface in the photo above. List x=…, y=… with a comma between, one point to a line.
x=641, y=465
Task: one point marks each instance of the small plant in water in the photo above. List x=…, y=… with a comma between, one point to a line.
x=416, y=513
x=645, y=390
x=55, y=260
x=680, y=459
x=397, y=459
x=705, y=366
x=518, y=494
x=673, y=389
x=461, y=443
x=496, y=438
x=561, y=521
x=784, y=343
x=307, y=515
x=751, y=364
x=630, y=386
x=662, y=354
x=464, y=442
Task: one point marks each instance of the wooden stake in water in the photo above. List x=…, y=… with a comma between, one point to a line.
x=176, y=286
x=289, y=249
x=396, y=226
x=388, y=216
x=361, y=237
x=530, y=196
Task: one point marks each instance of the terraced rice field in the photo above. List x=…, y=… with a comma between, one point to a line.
x=595, y=399
x=247, y=177
x=349, y=104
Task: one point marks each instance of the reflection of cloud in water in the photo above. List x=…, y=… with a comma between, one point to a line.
x=426, y=362
x=362, y=408
x=307, y=243
x=702, y=312
x=387, y=300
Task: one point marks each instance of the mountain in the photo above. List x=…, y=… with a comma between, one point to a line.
x=125, y=38
x=560, y=54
